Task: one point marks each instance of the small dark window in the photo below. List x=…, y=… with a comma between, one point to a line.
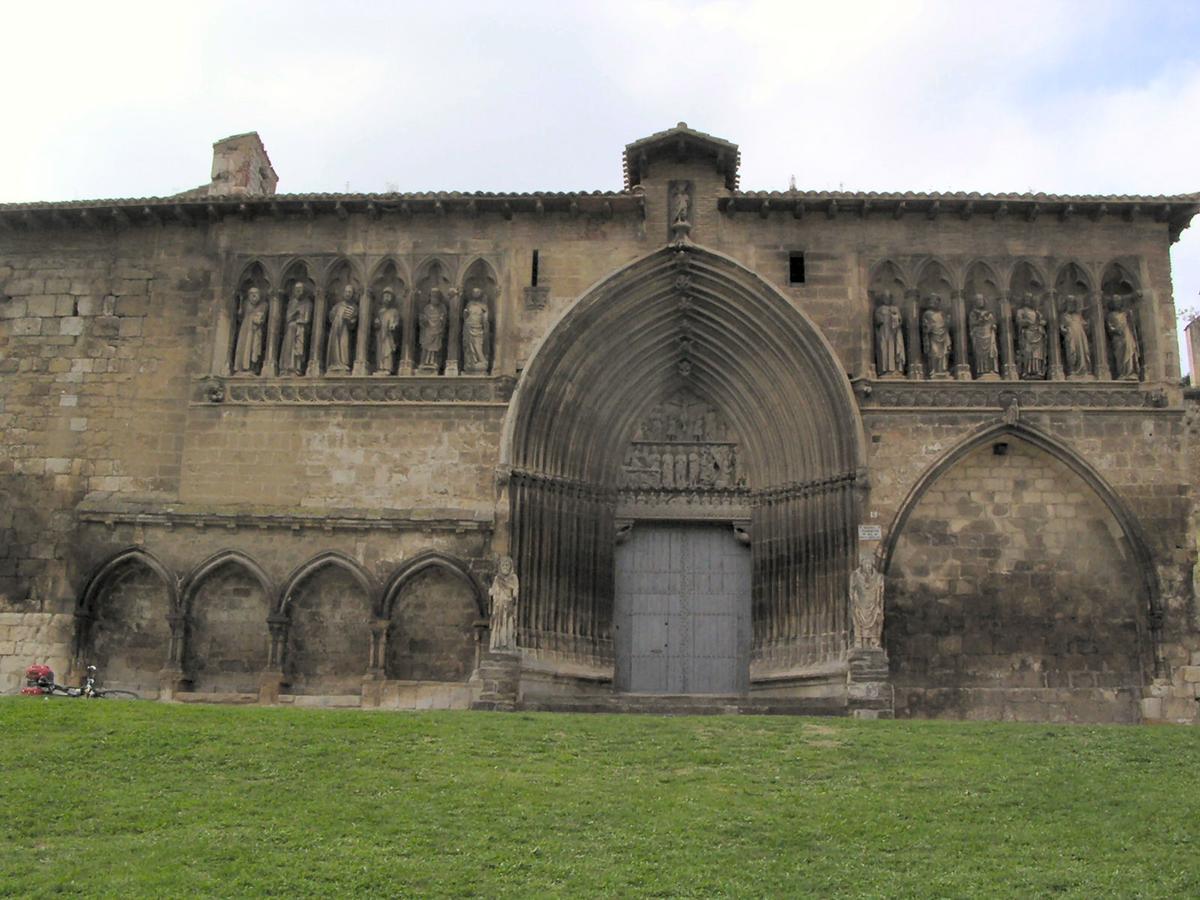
x=533, y=270
x=1000, y=449
x=796, y=268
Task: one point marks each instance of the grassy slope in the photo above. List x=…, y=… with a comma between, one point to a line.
x=148, y=798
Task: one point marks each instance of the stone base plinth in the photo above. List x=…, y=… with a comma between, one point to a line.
x=869, y=693
x=499, y=675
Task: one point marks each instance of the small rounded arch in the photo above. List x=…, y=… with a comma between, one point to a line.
x=478, y=269
x=388, y=271
x=320, y=561
x=195, y=579
x=1130, y=527
x=423, y=561
x=1027, y=277
x=297, y=268
x=888, y=277
x=340, y=271
x=433, y=272
x=254, y=274
x=129, y=556
x=982, y=278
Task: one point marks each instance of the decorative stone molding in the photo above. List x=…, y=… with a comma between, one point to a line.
x=473, y=390
x=536, y=297
x=997, y=395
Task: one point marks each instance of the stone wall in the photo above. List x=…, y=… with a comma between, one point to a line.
x=27, y=638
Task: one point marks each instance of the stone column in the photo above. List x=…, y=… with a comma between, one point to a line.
x=1099, y=337
x=170, y=679
x=1054, y=366
x=316, y=353
x=962, y=365
x=362, y=337
x=1008, y=356
x=379, y=636
x=226, y=329
x=916, y=369
x=408, y=334
x=275, y=307
x=270, y=680
x=454, y=333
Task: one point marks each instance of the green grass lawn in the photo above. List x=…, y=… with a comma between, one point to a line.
x=137, y=799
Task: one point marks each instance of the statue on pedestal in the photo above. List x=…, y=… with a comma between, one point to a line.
x=866, y=604
x=339, y=353
x=1031, y=340
x=1119, y=324
x=983, y=339
x=936, y=332
x=296, y=321
x=889, y=338
x=252, y=333
x=1075, y=339
x=387, y=329
x=433, y=332
x=503, y=594
x=475, y=333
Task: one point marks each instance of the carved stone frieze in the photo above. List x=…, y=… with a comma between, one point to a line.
x=892, y=394
x=683, y=444
x=399, y=390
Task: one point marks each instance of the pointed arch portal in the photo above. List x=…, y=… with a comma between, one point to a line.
x=684, y=319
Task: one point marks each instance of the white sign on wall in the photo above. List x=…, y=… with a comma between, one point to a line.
x=870, y=533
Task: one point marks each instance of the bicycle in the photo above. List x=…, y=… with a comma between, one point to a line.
x=39, y=682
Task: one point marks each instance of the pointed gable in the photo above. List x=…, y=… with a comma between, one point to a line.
x=678, y=144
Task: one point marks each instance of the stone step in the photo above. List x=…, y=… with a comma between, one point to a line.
x=688, y=705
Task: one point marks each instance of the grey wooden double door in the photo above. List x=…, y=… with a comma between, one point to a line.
x=682, y=610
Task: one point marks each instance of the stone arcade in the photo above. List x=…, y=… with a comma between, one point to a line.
x=678, y=446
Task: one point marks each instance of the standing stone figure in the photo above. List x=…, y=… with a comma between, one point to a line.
x=1031, y=340
x=387, y=330
x=339, y=347
x=475, y=333
x=296, y=321
x=252, y=333
x=681, y=210
x=983, y=339
x=866, y=604
x=1119, y=324
x=1075, y=339
x=433, y=332
x=936, y=332
x=503, y=594
x=889, y=338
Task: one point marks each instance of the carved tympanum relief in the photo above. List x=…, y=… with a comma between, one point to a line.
x=683, y=444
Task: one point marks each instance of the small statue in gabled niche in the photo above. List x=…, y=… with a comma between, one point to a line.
x=935, y=330
x=252, y=334
x=503, y=593
x=387, y=333
x=297, y=319
x=1123, y=338
x=339, y=347
x=1031, y=340
x=866, y=604
x=1075, y=339
x=475, y=333
x=680, y=209
x=432, y=333
x=889, y=338
x=983, y=340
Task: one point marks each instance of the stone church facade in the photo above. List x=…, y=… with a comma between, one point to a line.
x=910, y=454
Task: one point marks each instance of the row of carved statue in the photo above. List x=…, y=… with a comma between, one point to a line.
x=342, y=328
x=1072, y=336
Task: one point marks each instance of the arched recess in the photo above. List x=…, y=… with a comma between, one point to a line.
x=296, y=329
x=225, y=603
x=889, y=304
x=479, y=290
x=125, y=620
x=1013, y=565
x=683, y=317
x=432, y=604
x=251, y=304
x=329, y=603
x=1121, y=295
x=983, y=319
x=388, y=288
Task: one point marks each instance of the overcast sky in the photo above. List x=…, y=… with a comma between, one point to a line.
x=121, y=99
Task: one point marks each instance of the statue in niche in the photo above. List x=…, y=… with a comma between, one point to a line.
x=339, y=346
x=1075, y=339
x=983, y=339
x=866, y=604
x=433, y=332
x=1119, y=325
x=681, y=470
x=387, y=333
x=475, y=333
x=252, y=333
x=1031, y=340
x=681, y=209
x=889, y=338
x=503, y=594
x=936, y=332
x=297, y=319
x=668, y=470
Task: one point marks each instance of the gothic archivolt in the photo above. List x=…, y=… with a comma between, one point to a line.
x=952, y=320
x=322, y=317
